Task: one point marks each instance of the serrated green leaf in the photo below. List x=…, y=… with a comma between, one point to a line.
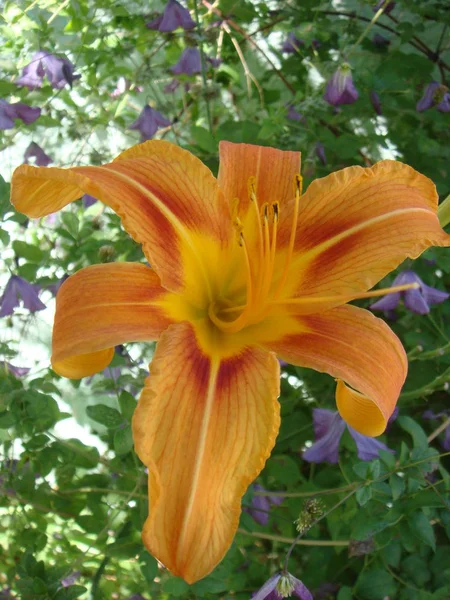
x=375, y=584
x=176, y=587
x=149, y=566
x=363, y=495
x=397, y=485
x=123, y=440
x=127, y=405
x=421, y=527
x=28, y=251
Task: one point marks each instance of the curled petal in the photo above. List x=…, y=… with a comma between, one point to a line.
x=204, y=426
x=100, y=307
x=351, y=344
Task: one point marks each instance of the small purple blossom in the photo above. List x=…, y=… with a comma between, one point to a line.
x=16, y=371
x=282, y=585
x=88, y=200
x=148, y=122
x=260, y=506
x=291, y=44
x=436, y=95
x=35, y=151
x=380, y=41
x=328, y=429
x=189, y=63
x=53, y=288
x=17, y=110
x=70, y=579
x=416, y=300
x=387, y=9
x=293, y=114
x=59, y=71
x=340, y=88
x=171, y=87
x=173, y=17
x=376, y=103
x=320, y=153
x=16, y=289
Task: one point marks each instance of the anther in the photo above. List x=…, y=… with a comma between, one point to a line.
x=265, y=212
x=241, y=239
x=298, y=184
x=276, y=211
x=251, y=186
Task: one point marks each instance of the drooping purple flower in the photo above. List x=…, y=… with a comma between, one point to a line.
x=416, y=300
x=89, y=200
x=436, y=95
x=148, y=122
x=16, y=289
x=173, y=17
x=293, y=114
x=340, y=88
x=387, y=9
x=214, y=62
x=189, y=63
x=444, y=104
x=320, y=153
x=16, y=371
x=282, y=585
x=35, y=151
x=376, y=103
x=291, y=44
x=53, y=288
x=380, y=41
x=171, y=87
x=260, y=506
x=70, y=579
x=59, y=71
x=17, y=110
x=328, y=429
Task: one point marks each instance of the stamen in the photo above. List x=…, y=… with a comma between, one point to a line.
x=251, y=186
x=298, y=188
x=270, y=262
x=348, y=297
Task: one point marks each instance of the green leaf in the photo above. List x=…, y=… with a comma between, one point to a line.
x=204, y=139
x=28, y=251
x=422, y=528
x=71, y=223
x=415, y=431
x=375, y=584
x=100, y=413
x=149, y=566
x=363, y=495
x=176, y=587
x=361, y=469
x=70, y=593
x=345, y=593
x=397, y=486
x=127, y=405
x=123, y=440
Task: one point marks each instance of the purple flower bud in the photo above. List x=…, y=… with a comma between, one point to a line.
x=17, y=110
x=387, y=9
x=171, y=87
x=214, y=62
x=427, y=101
x=70, y=579
x=293, y=114
x=35, y=151
x=380, y=41
x=189, y=63
x=416, y=300
x=173, y=17
x=444, y=104
x=148, y=122
x=340, y=88
x=375, y=100
x=89, y=200
x=59, y=71
x=260, y=505
x=16, y=289
x=328, y=429
x=320, y=153
x=291, y=44
x=16, y=371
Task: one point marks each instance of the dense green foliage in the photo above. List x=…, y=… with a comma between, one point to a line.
x=71, y=503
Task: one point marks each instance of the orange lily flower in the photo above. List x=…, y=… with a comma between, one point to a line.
x=244, y=267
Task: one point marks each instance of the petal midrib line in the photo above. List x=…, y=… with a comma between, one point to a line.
x=201, y=446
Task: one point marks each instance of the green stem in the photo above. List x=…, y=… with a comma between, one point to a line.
x=202, y=61
x=374, y=19
x=444, y=212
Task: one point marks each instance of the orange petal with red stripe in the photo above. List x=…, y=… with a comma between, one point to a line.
x=165, y=196
x=351, y=344
x=357, y=225
x=100, y=307
x=204, y=426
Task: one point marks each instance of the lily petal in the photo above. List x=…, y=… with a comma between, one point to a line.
x=274, y=172
x=376, y=366
x=204, y=427
x=357, y=225
x=164, y=195
x=100, y=307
